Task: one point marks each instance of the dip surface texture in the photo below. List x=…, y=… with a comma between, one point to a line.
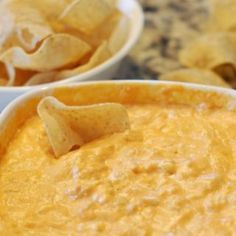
x=173, y=173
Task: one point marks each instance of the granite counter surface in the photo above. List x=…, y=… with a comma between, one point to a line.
x=169, y=24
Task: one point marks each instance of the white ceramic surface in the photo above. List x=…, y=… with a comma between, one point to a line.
x=106, y=70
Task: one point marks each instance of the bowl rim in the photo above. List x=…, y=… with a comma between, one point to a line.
x=9, y=109
x=134, y=35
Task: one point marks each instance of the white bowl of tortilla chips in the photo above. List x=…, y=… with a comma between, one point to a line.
x=48, y=42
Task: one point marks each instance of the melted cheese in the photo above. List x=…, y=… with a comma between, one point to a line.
x=173, y=173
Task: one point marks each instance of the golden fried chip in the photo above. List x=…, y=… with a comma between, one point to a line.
x=70, y=126
x=103, y=52
x=210, y=51
x=119, y=35
x=11, y=74
x=102, y=33
x=86, y=15
x=56, y=51
x=21, y=25
x=7, y=74
x=3, y=75
x=112, y=3
x=49, y=8
x=41, y=78
x=101, y=55
x=222, y=17
x=195, y=76
x=22, y=76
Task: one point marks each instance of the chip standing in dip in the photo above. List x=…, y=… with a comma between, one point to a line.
x=172, y=172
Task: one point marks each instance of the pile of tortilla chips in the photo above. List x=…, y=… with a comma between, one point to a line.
x=48, y=40
x=213, y=51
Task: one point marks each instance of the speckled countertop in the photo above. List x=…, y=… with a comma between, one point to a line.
x=169, y=24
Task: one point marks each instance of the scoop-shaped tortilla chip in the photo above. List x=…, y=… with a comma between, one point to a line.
x=100, y=55
x=101, y=33
x=210, y=51
x=7, y=74
x=10, y=76
x=197, y=76
x=4, y=80
x=86, y=15
x=49, y=8
x=119, y=35
x=22, y=76
x=112, y=3
x=41, y=78
x=70, y=126
x=21, y=25
x=49, y=55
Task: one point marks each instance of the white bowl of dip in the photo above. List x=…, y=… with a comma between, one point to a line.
x=200, y=168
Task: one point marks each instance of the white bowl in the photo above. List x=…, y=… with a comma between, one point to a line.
x=106, y=70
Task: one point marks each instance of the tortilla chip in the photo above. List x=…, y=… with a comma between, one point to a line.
x=49, y=8
x=70, y=126
x=41, y=78
x=85, y=15
x=112, y=3
x=102, y=33
x=11, y=74
x=210, y=51
x=101, y=55
x=195, y=76
x=7, y=74
x=119, y=35
x=222, y=17
x=22, y=76
x=26, y=26
x=49, y=55
x=3, y=75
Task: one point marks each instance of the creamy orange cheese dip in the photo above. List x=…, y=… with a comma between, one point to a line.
x=173, y=173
